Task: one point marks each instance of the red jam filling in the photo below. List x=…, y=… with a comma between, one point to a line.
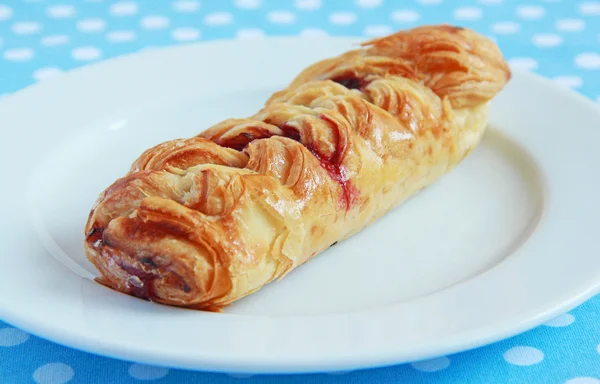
x=338, y=173
x=331, y=164
x=351, y=82
x=143, y=288
x=240, y=141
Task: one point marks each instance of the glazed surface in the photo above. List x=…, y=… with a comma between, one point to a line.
x=204, y=221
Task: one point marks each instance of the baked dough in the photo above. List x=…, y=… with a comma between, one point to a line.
x=204, y=221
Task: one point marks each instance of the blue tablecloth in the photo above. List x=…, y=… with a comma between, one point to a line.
x=558, y=39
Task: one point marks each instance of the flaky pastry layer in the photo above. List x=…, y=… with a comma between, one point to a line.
x=204, y=221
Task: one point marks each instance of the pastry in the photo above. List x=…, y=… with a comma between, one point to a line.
x=201, y=222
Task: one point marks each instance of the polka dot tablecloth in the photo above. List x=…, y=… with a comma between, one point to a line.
x=40, y=39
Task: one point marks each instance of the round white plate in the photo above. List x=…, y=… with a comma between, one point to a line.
x=503, y=243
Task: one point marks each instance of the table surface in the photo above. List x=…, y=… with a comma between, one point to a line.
x=558, y=39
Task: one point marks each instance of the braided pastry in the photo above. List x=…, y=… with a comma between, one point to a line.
x=202, y=222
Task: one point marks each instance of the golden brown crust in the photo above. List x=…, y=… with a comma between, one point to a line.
x=453, y=62
x=204, y=221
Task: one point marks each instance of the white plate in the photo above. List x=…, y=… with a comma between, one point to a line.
x=506, y=241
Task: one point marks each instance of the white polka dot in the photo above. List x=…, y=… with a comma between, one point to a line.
x=598, y=347
x=250, y=33
x=86, y=53
x=185, y=34
x=570, y=25
x=530, y=12
x=547, y=40
x=308, y=5
x=491, y=2
x=124, y=8
x=61, y=11
x=186, y=6
x=18, y=54
x=5, y=12
x=591, y=8
x=240, y=375
x=281, y=17
x=468, y=13
x=368, y=3
x=342, y=18
x=121, y=36
x=588, y=60
x=247, y=4
x=523, y=356
x=432, y=365
x=10, y=337
x=91, y=25
x=569, y=81
x=561, y=320
x=377, y=30
x=154, y=22
x=405, y=16
x=54, y=40
x=523, y=63
x=313, y=33
x=26, y=27
x=429, y=2
x=53, y=373
x=218, y=18
x=46, y=73
x=505, y=27
x=583, y=380
x=147, y=372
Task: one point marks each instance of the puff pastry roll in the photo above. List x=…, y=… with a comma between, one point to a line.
x=204, y=221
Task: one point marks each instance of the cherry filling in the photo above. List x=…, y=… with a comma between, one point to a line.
x=338, y=173
x=95, y=235
x=240, y=141
x=140, y=282
x=290, y=132
x=330, y=164
x=351, y=81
